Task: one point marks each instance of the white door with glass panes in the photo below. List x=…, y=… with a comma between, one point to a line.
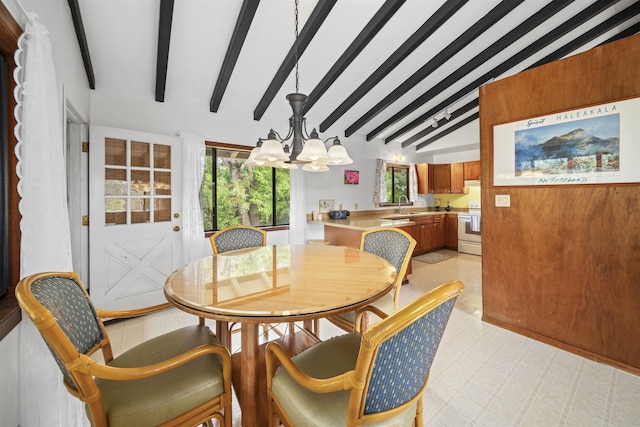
x=134, y=216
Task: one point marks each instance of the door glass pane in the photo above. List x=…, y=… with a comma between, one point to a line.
x=140, y=184
x=140, y=154
x=115, y=182
x=162, y=210
x=161, y=156
x=115, y=152
x=115, y=210
x=162, y=183
x=140, y=210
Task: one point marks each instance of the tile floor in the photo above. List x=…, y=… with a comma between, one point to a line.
x=482, y=375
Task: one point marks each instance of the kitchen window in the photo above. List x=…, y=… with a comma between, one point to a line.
x=234, y=193
x=397, y=178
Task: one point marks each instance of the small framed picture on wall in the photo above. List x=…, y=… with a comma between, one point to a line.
x=351, y=177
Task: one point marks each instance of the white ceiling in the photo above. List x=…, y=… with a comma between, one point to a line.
x=122, y=36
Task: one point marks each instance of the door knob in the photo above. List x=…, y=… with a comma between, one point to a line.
x=176, y=228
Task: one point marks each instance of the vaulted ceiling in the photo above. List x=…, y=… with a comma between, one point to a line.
x=385, y=71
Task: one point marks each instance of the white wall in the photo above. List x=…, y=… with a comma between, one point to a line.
x=72, y=82
x=9, y=389
x=229, y=126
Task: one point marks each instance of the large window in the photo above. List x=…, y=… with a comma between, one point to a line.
x=397, y=182
x=234, y=193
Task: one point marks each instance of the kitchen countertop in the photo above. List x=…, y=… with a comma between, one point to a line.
x=386, y=219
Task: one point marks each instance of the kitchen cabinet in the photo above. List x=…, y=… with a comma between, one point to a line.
x=442, y=178
x=438, y=232
x=457, y=178
x=451, y=231
x=472, y=170
x=424, y=171
x=448, y=178
x=422, y=231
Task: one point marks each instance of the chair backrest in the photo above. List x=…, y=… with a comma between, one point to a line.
x=60, y=308
x=237, y=237
x=396, y=354
x=392, y=244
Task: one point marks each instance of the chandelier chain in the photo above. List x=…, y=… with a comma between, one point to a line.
x=296, y=48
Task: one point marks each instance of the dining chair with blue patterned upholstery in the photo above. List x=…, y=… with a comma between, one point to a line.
x=396, y=246
x=180, y=378
x=376, y=377
x=237, y=237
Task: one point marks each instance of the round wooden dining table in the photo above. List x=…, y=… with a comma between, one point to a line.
x=271, y=284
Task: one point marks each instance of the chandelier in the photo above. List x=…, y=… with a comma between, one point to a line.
x=298, y=147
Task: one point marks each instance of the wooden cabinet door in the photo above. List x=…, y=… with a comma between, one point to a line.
x=438, y=232
x=457, y=178
x=472, y=170
x=424, y=171
x=442, y=179
x=451, y=231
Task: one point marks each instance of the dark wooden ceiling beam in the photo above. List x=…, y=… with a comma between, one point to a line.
x=474, y=31
x=434, y=22
x=319, y=14
x=379, y=20
x=596, y=31
x=247, y=12
x=460, y=73
x=164, y=40
x=454, y=115
x=634, y=29
x=580, y=41
x=82, y=41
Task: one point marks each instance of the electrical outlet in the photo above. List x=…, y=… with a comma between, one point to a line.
x=355, y=206
x=503, y=200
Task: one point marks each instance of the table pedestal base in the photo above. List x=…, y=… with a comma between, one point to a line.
x=293, y=344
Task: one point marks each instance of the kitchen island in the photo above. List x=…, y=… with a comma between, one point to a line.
x=432, y=229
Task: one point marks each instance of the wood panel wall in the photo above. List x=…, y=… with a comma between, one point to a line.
x=562, y=264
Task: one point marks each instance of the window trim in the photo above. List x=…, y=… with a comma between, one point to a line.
x=237, y=147
x=403, y=166
x=10, y=314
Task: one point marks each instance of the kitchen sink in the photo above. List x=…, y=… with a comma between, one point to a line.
x=406, y=215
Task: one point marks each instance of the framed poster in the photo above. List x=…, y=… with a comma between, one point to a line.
x=592, y=145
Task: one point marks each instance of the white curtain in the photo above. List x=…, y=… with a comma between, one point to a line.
x=297, y=214
x=45, y=242
x=413, y=183
x=380, y=189
x=194, y=244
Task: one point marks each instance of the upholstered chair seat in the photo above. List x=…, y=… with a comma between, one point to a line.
x=375, y=378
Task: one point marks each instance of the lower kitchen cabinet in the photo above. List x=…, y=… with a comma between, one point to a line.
x=451, y=232
x=438, y=232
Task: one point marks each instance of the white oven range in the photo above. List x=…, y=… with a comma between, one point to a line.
x=469, y=237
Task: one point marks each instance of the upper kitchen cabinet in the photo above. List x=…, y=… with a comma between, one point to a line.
x=457, y=178
x=442, y=179
x=424, y=171
x=472, y=170
x=448, y=178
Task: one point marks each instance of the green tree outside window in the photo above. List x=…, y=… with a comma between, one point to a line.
x=234, y=193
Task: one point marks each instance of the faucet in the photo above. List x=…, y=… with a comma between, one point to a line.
x=400, y=200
